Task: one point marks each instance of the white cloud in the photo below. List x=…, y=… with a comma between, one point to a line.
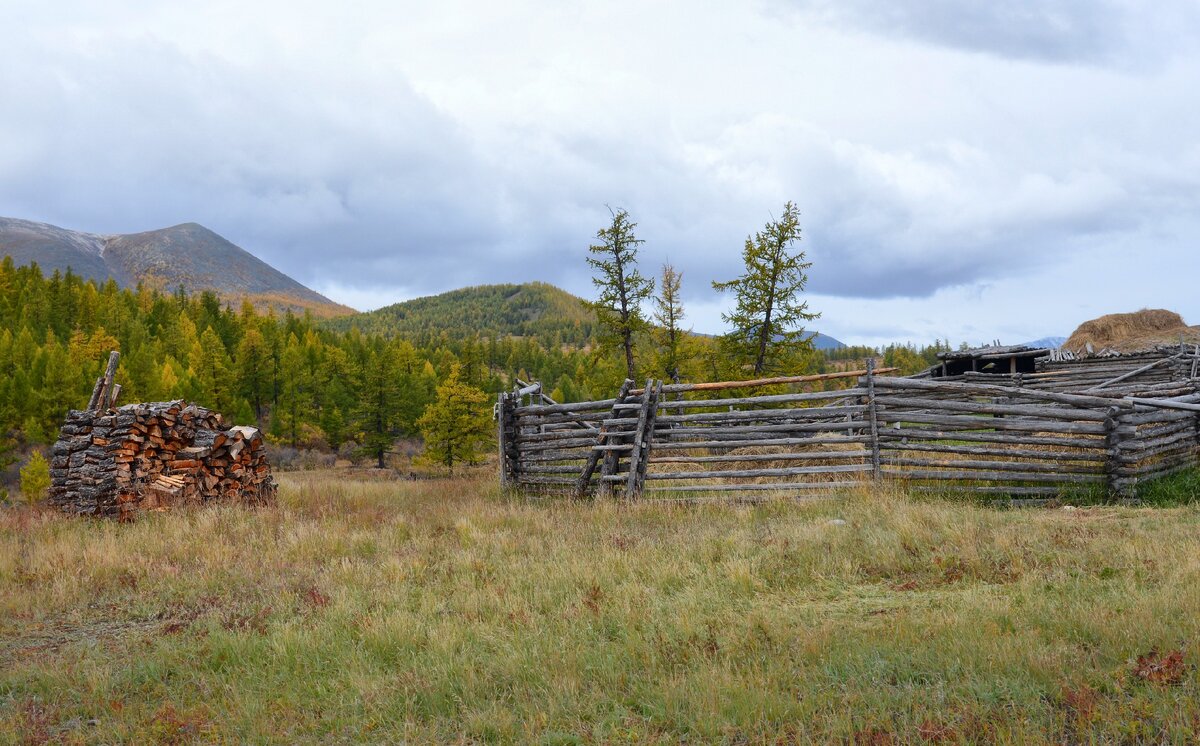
x=949, y=163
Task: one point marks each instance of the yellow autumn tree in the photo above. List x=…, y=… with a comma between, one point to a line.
x=457, y=425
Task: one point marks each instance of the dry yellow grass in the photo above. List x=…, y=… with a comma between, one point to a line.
x=443, y=612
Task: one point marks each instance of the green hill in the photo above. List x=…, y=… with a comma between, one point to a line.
x=532, y=309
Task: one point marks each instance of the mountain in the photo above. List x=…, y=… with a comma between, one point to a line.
x=1046, y=342
x=826, y=342
x=187, y=255
x=532, y=309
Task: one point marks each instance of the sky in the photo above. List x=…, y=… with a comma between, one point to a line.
x=964, y=171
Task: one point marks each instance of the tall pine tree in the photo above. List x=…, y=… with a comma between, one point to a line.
x=622, y=288
x=768, y=333
x=670, y=338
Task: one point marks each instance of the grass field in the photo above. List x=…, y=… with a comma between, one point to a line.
x=443, y=612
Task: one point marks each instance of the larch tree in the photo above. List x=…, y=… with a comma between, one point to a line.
x=768, y=318
x=457, y=425
x=669, y=336
x=622, y=288
x=253, y=371
x=381, y=403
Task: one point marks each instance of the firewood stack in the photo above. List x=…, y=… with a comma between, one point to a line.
x=116, y=462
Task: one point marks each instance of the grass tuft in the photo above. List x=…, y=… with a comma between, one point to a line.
x=367, y=611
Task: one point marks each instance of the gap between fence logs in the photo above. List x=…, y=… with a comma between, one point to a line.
x=962, y=435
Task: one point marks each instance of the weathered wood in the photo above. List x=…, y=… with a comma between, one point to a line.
x=991, y=423
x=768, y=442
x=873, y=416
x=1132, y=373
x=763, y=473
x=770, y=487
x=641, y=437
x=835, y=426
x=756, y=400
x=1025, y=466
x=893, y=404
x=597, y=451
x=734, y=458
x=1057, y=455
x=990, y=476
x=993, y=390
x=756, y=382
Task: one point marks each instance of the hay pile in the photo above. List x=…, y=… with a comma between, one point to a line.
x=1131, y=332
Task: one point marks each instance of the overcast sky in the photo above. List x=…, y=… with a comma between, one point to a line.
x=971, y=170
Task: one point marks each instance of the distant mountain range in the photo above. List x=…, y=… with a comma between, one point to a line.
x=196, y=258
x=1046, y=342
x=532, y=309
x=187, y=255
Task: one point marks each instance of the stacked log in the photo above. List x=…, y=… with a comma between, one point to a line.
x=117, y=462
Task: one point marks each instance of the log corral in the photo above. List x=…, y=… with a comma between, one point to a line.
x=1074, y=429
x=118, y=461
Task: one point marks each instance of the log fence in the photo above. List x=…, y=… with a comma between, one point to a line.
x=1015, y=437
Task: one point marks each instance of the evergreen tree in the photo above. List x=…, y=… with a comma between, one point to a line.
x=622, y=288
x=670, y=338
x=458, y=425
x=295, y=394
x=35, y=478
x=211, y=367
x=254, y=371
x=380, y=404
x=767, y=331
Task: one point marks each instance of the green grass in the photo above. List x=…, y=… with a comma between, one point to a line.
x=363, y=611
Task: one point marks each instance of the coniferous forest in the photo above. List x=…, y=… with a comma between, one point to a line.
x=354, y=384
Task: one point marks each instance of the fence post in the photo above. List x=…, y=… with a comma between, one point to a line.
x=506, y=434
x=1120, y=484
x=602, y=435
x=871, y=412
x=641, y=438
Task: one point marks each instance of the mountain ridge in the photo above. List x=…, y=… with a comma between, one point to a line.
x=188, y=255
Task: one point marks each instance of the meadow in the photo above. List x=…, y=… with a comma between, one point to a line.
x=369, y=610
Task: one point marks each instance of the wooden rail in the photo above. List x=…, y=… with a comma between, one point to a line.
x=1109, y=433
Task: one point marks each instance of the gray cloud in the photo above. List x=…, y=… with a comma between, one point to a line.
x=424, y=151
x=1103, y=32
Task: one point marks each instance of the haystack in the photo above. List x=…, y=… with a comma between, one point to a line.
x=1132, y=332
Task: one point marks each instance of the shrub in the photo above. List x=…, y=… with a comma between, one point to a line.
x=35, y=478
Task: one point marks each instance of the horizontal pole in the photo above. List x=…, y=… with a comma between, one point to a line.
x=679, y=388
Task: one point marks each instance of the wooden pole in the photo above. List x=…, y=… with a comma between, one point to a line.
x=719, y=385
x=593, y=458
x=871, y=412
x=640, y=439
x=110, y=372
x=501, y=439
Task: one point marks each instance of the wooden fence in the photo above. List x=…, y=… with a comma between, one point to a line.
x=999, y=439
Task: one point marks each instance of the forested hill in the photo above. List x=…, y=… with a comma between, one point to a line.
x=532, y=309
